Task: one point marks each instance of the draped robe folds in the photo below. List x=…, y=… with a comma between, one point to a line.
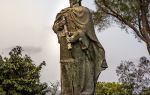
x=82, y=65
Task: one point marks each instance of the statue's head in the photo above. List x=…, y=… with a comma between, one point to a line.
x=73, y=2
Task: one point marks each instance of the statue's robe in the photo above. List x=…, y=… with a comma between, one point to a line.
x=82, y=65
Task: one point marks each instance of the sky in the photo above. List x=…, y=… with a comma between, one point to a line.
x=28, y=23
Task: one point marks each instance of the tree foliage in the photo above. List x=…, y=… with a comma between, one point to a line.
x=146, y=92
x=110, y=88
x=19, y=76
x=129, y=14
x=54, y=88
x=135, y=78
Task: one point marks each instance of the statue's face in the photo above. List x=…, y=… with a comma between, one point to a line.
x=73, y=2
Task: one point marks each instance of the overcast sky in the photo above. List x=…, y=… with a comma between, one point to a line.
x=28, y=23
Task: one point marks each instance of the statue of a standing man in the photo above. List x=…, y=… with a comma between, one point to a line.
x=82, y=57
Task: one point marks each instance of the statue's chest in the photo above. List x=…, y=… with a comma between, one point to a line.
x=71, y=24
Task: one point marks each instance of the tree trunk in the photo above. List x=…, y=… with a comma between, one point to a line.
x=145, y=24
x=148, y=48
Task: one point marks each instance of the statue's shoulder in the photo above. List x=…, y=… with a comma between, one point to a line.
x=85, y=8
x=65, y=9
x=59, y=14
x=81, y=9
x=77, y=9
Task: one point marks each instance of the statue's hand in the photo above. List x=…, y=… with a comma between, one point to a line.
x=62, y=23
x=69, y=39
x=59, y=26
x=73, y=38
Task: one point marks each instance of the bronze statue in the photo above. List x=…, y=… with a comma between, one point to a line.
x=82, y=57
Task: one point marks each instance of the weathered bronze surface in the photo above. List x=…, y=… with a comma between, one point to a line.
x=82, y=57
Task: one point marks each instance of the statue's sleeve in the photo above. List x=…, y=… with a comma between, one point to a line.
x=84, y=21
x=57, y=24
x=80, y=18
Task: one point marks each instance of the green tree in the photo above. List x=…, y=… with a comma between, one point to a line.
x=146, y=92
x=135, y=78
x=19, y=76
x=54, y=88
x=110, y=88
x=129, y=14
